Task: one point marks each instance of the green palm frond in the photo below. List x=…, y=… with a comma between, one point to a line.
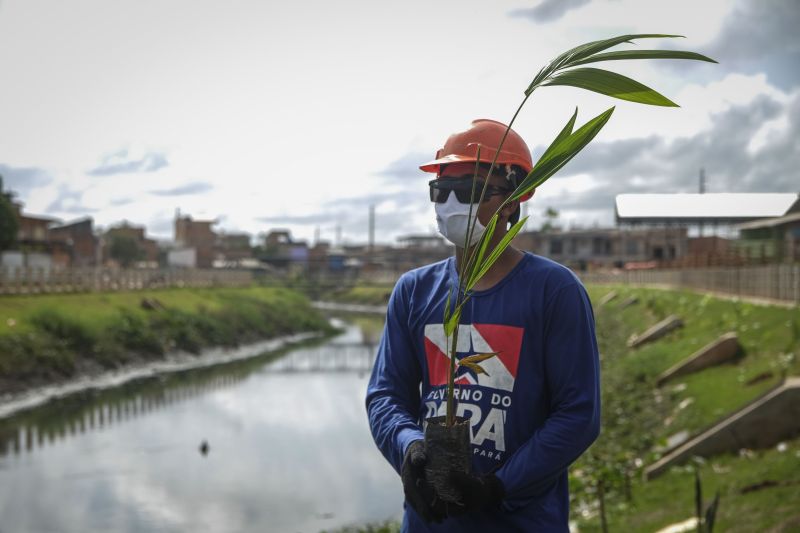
x=561, y=71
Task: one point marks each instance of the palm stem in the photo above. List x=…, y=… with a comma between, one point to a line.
x=467, y=263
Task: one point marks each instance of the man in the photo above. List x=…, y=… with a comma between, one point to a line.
x=536, y=407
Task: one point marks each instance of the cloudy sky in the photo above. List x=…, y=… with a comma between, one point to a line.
x=303, y=114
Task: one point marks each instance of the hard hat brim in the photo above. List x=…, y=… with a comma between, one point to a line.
x=433, y=166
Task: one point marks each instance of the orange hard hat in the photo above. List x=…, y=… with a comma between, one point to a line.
x=462, y=147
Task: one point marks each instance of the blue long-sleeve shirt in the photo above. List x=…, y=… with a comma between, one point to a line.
x=533, y=411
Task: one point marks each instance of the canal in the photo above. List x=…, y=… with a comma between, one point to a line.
x=285, y=435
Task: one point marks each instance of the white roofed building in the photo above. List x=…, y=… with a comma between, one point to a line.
x=706, y=208
x=723, y=213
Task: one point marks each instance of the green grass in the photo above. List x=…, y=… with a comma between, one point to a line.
x=770, y=339
x=97, y=310
x=638, y=417
x=385, y=527
x=50, y=338
x=362, y=294
x=670, y=498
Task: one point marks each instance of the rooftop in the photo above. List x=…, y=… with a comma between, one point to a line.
x=38, y=219
x=771, y=222
x=708, y=207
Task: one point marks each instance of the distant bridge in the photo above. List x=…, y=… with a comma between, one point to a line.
x=345, y=357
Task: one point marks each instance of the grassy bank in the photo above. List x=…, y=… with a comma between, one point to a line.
x=362, y=294
x=759, y=489
x=45, y=339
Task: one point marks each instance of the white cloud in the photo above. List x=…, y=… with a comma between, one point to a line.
x=768, y=131
x=285, y=111
x=699, y=103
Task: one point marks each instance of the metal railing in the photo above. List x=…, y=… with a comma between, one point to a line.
x=31, y=280
x=774, y=282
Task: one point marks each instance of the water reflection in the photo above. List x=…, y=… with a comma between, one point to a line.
x=289, y=450
x=94, y=410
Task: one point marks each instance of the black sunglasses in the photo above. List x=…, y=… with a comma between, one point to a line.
x=465, y=193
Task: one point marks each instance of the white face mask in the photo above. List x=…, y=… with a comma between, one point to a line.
x=452, y=217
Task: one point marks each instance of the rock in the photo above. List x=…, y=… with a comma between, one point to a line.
x=151, y=304
x=764, y=422
x=722, y=350
x=685, y=403
x=690, y=524
x=607, y=298
x=677, y=439
x=656, y=332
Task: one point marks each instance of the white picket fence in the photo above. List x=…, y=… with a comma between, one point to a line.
x=775, y=282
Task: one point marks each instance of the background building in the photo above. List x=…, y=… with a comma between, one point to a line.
x=80, y=240
x=233, y=248
x=196, y=234
x=775, y=239
x=594, y=248
x=127, y=245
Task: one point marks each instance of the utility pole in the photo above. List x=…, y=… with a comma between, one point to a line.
x=371, y=229
x=702, y=189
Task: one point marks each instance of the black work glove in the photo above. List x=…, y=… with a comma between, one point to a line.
x=420, y=494
x=484, y=491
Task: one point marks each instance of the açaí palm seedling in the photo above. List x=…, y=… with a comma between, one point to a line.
x=448, y=436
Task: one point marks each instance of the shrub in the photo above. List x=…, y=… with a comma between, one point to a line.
x=66, y=329
x=134, y=333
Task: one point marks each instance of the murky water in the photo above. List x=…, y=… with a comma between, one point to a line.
x=288, y=450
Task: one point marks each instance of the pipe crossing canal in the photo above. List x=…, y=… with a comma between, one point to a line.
x=343, y=357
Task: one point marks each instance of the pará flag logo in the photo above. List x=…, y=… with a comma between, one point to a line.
x=501, y=370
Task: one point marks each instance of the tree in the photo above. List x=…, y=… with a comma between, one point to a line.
x=125, y=250
x=550, y=218
x=9, y=225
